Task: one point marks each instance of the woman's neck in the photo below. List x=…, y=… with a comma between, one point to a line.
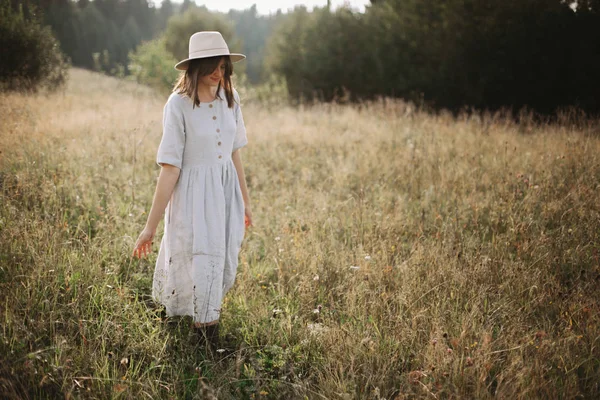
x=207, y=93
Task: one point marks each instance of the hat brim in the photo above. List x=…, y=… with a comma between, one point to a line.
x=182, y=65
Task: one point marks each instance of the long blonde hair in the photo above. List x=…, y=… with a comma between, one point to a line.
x=187, y=83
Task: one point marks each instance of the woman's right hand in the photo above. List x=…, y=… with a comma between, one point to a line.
x=143, y=245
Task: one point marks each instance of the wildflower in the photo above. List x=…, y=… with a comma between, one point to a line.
x=449, y=350
x=354, y=267
x=119, y=388
x=414, y=377
x=277, y=239
x=220, y=350
x=368, y=257
x=434, y=342
x=540, y=334
x=316, y=278
x=469, y=361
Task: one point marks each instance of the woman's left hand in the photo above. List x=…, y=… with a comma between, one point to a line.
x=247, y=217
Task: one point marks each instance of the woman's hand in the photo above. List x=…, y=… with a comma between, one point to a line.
x=143, y=246
x=247, y=217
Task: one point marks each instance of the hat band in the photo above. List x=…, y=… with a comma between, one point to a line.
x=210, y=51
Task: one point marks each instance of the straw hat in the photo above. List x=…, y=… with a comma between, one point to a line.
x=207, y=44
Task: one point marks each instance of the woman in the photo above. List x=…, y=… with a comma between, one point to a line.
x=201, y=185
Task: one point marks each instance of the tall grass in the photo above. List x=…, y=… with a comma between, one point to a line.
x=395, y=254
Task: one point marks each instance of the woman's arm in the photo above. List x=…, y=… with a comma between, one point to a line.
x=237, y=161
x=164, y=189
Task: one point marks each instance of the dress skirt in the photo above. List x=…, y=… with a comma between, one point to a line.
x=204, y=229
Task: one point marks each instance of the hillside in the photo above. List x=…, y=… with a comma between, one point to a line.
x=395, y=254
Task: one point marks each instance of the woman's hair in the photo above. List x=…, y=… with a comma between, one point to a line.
x=187, y=83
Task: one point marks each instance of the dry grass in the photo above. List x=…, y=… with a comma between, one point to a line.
x=395, y=255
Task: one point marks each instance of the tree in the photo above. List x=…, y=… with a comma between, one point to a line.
x=253, y=29
x=165, y=12
x=186, y=5
x=32, y=57
x=144, y=16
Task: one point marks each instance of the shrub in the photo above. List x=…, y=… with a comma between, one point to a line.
x=151, y=64
x=31, y=55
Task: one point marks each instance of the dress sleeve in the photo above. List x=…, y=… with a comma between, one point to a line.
x=240, y=139
x=170, y=150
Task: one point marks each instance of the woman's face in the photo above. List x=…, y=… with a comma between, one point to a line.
x=215, y=77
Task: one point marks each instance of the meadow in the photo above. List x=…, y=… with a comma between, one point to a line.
x=395, y=254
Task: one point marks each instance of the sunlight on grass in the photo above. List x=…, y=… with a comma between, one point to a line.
x=395, y=254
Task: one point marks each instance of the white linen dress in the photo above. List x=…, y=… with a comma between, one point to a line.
x=204, y=220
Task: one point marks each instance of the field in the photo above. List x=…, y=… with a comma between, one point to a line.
x=395, y=254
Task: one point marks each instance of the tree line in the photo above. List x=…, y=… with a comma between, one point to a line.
x=101, y=34
x=541, y=54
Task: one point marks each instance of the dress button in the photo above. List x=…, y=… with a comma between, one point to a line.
x=215, y=117
x=218, y=130
x=210, y=105
x=220, y=156
x=219, y=143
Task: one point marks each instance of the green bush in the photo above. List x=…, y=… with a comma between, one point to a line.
x=151, y=64
x=31, y=56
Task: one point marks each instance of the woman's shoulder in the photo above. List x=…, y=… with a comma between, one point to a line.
x=177, y=99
